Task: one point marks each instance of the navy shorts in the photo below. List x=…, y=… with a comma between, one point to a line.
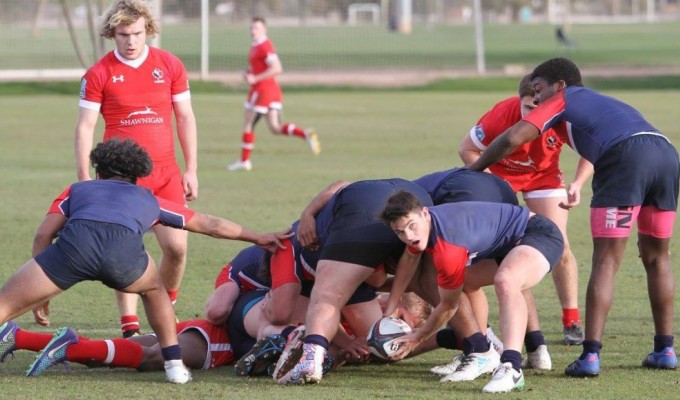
x=541, y=234
x=468, y=185
x=362, y=294
x=94, y=251
x=642, y=170
x=241, y=342
x=356, y=233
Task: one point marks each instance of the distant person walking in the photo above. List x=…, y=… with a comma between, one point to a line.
x=265, y=97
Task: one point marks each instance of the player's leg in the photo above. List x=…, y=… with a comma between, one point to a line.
x=16, y=300
x=655, y=229
x=534, y=341
x=522, y=268
x=335, y=283
x=127, y=309
x=250, y=118
x=565, y=273
x=173, y=243
x=161, y=317
x=290, y=129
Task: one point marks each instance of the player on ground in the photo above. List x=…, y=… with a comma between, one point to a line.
x=636, y=180
x=533, y=169
x=100, y=224
x=265, y=97
x=453, y=236
x=137, y=89
x=203, y=344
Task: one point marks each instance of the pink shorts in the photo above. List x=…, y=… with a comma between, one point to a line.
x=617, y=222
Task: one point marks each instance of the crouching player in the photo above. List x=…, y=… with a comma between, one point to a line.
x=453, y=236
x=100, y=224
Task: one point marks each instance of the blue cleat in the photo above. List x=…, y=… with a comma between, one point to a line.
x=7, y=344
x=588, y=367
x=264, y=353
x=54, y=353
x=664, y=359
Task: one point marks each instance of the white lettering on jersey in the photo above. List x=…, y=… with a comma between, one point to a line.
x=146, y=116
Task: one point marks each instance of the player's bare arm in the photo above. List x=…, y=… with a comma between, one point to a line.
x=468, y=151
x=406, y=269
x=444, y=311
x=274, y=68
x=224, y=229
x=306, y=231
x=188, y=140
x=520, y=133
x=84, y=134
x=44, y=235
x=584, y=171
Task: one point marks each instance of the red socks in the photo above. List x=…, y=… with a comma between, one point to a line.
x=173, y=296
x=293, y=130
x=247, y=144
x=129, y=324
x=570, y=315
x=114, y=352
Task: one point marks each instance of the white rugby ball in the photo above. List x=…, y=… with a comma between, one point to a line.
x=381, y=336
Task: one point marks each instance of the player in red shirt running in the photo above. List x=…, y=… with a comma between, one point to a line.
x=137, y=89
x=534, y=170
x=265, y=97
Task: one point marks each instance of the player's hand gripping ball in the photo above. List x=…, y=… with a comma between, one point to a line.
x=381, y=336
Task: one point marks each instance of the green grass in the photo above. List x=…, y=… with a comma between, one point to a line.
x=372, y=134
x=320, y=48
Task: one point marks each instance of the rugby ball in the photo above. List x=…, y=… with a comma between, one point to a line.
x=381, y=336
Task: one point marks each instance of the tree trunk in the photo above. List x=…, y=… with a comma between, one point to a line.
x=72, y=33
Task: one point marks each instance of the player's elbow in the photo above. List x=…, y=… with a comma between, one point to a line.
x=217, y=314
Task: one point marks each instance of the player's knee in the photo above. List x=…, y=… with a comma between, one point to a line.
x=175, y=254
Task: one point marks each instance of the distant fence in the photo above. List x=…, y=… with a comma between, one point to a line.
x=45, y=39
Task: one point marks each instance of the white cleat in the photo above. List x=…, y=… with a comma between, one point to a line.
x=240, y=166
x=313, y=141
x=473, y=366
x=505, y=379
x=449, y=368
x=176, y=372
x=539, y=359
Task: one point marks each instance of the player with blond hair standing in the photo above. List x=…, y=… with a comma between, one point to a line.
x=138, y=89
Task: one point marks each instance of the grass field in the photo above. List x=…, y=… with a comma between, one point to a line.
x=373, y=134
x=322, y=48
